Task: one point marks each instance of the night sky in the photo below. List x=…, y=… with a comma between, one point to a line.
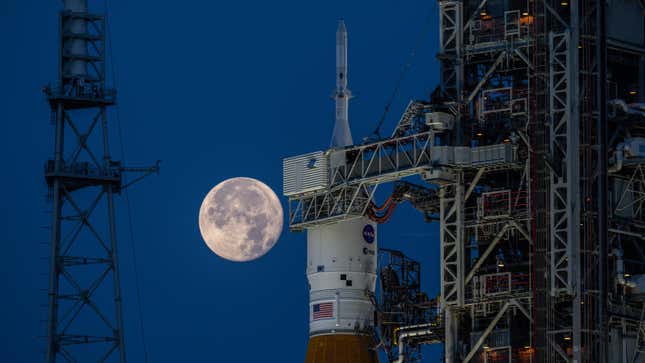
x=215, y=90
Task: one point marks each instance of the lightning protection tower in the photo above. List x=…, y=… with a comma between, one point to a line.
x=84, y=298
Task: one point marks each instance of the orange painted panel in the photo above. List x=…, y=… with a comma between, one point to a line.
x=340, y=349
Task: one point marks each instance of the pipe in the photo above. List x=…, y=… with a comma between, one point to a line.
x=383, y=218
x=627, y=233
x=413, y=327
x=632, y=109
x=620, y=156
x=602, y=164
x=620, y=270
x=416, y=326
x=384, y=205
x=409, y=334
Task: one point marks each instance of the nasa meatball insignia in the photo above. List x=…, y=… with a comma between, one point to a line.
x=368, y=233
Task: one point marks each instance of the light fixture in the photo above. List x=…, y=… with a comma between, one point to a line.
x=526, y=13
x=564, y=3
x=479, y=133
x=627, y=275
x=632, y=93
x=567, y=338
x=500, y=264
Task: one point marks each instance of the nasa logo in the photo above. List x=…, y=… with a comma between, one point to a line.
x=311, y=163
x=368, y=233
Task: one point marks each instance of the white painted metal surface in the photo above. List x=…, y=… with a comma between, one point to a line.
x=341, y=269
x=342, y=135
x=305, y=173
x=440, y=121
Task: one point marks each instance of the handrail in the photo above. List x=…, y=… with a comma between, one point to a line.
x=89, y=91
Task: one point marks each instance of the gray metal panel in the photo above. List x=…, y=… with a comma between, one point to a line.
x=442, y=155
x=493, y=154
x=497, y=338
x=625, y=21
x=305, y=173
x=462, y=155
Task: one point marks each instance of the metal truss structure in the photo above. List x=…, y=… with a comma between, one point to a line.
x=83, y=180
x=452, y=234
x=450, y=49
x=532, y=142
x=401, y=306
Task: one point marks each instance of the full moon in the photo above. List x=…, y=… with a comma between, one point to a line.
x=240, y=219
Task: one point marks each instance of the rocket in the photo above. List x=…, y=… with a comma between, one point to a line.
x=341, y=270
x=341, y=136
x=341, y=263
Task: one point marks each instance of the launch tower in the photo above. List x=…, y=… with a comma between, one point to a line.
x=532, y=156
x=83, y=180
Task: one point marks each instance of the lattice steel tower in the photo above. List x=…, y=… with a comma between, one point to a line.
x=83, y=179
x=531, y=156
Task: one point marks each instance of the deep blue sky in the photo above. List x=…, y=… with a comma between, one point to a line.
x=215, y=90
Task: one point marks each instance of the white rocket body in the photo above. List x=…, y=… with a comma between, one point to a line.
x=341, y=263
x=342, y=135
x=341, y=269
x=341, y=257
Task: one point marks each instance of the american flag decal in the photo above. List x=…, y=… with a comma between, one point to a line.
x=323, y=310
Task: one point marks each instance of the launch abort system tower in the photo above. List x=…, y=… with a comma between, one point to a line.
x=83, y=180
x=531, y=156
